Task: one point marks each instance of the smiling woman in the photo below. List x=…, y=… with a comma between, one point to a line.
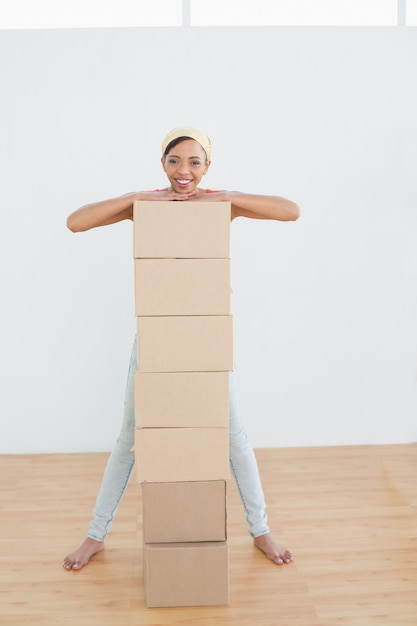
x=186, y=157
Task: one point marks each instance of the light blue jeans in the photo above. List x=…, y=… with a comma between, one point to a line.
x=121, y=461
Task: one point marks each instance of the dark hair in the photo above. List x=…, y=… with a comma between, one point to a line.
x=175, y=142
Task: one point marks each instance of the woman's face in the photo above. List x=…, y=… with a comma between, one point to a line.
x=185, y=165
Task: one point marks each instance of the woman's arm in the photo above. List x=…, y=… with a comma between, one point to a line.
x=256, y=206
x=117, y=209
x=263, y=207
x=102, y=213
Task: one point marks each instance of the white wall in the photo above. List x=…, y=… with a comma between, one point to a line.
x=325, y=308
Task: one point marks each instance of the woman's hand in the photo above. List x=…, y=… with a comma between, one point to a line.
x=167, y=194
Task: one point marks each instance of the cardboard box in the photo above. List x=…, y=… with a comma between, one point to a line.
x=181, y=399
x=184, y=511
x=186, y=574
x=197, y=343
x=165, y=455
x=182, y=287
x=181, y=230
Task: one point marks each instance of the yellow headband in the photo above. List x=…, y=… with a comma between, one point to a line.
x=193, y=133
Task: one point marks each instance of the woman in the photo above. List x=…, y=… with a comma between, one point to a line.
x=186, y=157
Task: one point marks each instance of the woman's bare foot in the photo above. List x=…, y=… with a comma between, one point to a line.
x=80, y=557
x=273, y=550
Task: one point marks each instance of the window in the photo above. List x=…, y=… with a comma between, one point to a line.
x=160, y=13
x=89, y=13
x=411, y=13
x=293, y=12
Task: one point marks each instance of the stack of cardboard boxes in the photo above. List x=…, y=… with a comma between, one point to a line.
x=185, y=353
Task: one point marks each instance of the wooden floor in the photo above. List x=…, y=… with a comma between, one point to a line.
x=349, y=514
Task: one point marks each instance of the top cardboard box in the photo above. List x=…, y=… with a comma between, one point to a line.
x=181, y=230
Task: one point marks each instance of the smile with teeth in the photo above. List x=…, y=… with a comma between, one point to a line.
x=183, y=181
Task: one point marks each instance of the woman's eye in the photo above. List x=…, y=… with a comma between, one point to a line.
x=173, y=161
x=195, y=163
